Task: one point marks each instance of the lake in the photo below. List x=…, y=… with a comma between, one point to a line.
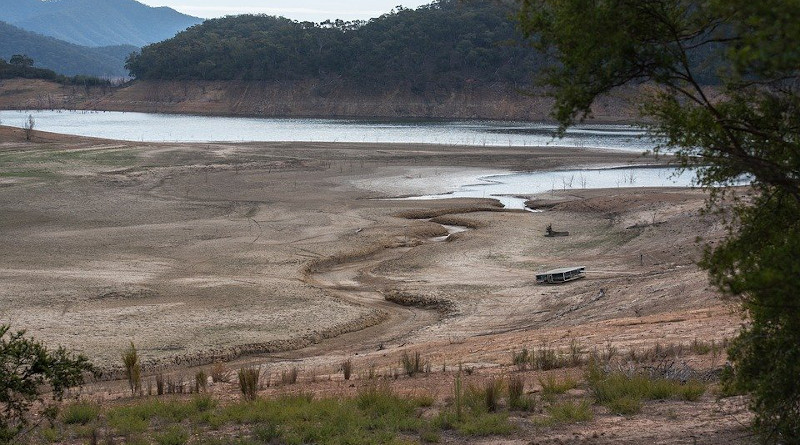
x=149, y=127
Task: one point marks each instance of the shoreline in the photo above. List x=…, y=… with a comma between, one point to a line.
x=298, y=100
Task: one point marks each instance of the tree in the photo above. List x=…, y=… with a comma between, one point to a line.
x=21, y=60
x=721, y=84
x=28, y=126
x=27, y=370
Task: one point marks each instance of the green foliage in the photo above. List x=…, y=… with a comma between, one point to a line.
x=623, y=394
x=61, y=57
x=570, y=412
x=96, y=22
x=412, y=364
x=746, y=126
x=447, y=44
x=173, y=436
x=133, y=369
x=471, y=412
x=551, y=386
x=10, y=71
x=80, y=413
x=27, y=370
x=248, y=382
x=376, y=415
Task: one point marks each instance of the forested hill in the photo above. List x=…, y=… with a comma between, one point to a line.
x=62, y=57
x=447, y=45
x=96, y=22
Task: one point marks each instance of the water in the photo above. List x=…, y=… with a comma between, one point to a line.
x=148, y=127
x=507, y=188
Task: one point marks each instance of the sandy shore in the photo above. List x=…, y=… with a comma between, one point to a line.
x=284, y=254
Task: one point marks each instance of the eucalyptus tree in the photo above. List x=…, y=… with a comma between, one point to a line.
x=720, y=83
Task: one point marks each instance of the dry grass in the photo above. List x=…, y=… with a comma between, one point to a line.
x=289, y=377
x=347, y=368
x=200, y=381
x=413, y=364
x=219, y=373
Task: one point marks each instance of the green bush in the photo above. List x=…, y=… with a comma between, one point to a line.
x=27, y=367
x=570, y=412
x=173, y=436
x=80, y=413
x=248, y=382
x=551, y=386
x=623, y=394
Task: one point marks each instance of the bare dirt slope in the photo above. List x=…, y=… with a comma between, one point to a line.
x=295, y=99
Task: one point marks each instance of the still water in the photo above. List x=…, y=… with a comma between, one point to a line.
x=506, y=188
x=149, y=127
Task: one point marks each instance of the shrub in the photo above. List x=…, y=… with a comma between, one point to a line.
x=347, y=368
x=458, y=397
x=173, y=436
x=551, y=386
x=516, y=392
x=27, y=367
x=133, y=369
x=623, y=394
x=520, y=359
x=220, y=374
x=289, y=377
x=625, y=405
x=570, y=412
x=266, y=433
x=200, y=381
x=80, y=413
x=412, y=364
x=492, y=390
x=203, y=403
x=160, y=384
x=248, y=382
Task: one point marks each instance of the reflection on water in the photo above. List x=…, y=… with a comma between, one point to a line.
x=507, y=188
x=147, y=127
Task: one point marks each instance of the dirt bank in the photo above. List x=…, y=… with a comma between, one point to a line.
x=296, y=99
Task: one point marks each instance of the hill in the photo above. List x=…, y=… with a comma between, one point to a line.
x=449, y=44
x=96, y=22
x=63, y=57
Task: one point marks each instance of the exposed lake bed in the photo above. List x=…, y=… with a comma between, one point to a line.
x=279, y=254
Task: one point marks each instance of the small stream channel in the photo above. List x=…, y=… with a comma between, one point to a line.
x=451, y=230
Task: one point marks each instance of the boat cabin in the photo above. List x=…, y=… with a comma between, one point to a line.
x=561, y=275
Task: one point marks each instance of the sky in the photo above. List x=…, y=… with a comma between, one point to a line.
x=310, y=10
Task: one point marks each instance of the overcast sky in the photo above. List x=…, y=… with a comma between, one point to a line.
x=311, y=10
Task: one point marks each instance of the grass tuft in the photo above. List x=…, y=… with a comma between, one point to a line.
x=289, y=377
x=551, y=386
x=248, y=382
x=173, y=436
x=220, y=374
x=200, y=381
x=623, y=394
x=80, y=413
x=347, y=368
x=570, y=412
x=413, y=364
